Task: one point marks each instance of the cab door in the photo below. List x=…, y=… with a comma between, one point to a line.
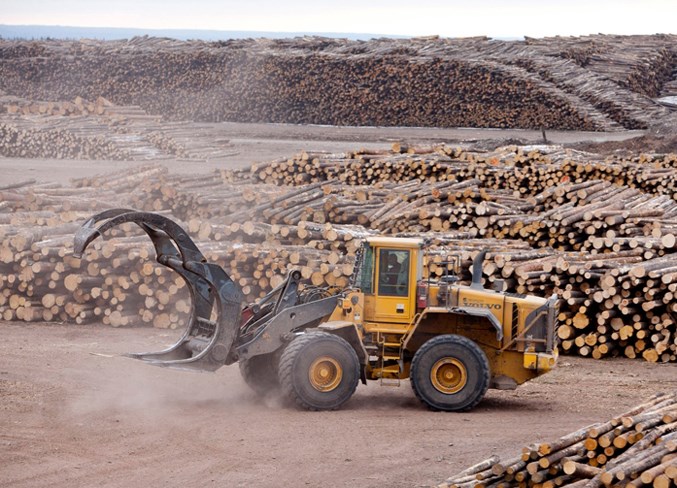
x=395, y=276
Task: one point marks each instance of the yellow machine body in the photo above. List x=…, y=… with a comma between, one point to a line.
x=395, y=310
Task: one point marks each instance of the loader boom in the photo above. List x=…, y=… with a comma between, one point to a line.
x=220, y=330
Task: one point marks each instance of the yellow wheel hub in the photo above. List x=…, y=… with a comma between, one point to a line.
x=448, y=375
x=325, y=373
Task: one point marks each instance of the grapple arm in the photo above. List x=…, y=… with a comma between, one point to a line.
x=216, y=301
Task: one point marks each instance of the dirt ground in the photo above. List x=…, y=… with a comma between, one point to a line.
x=73, y=413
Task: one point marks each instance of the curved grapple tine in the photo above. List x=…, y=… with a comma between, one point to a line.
x=89, y=232
x=216, y=301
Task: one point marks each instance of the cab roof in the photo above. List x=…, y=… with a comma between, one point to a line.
x=397, y=242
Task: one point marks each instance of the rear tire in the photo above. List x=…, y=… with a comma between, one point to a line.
x=260, y=373
x=450, y=373
x=319, y=371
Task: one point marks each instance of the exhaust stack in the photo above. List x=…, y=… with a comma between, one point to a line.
x=477, y=270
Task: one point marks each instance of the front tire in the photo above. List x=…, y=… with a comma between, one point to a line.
x=260, y=373
x=319, y=371
x=450, y=373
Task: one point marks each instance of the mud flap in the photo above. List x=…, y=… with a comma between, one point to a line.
x=216, y=301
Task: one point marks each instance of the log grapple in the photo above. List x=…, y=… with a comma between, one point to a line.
x=216, y=334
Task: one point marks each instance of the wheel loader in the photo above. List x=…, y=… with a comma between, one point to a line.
x=315, y=345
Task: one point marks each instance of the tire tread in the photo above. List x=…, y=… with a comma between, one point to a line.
x=485, y=372
x=249, y=370
x=286, y=369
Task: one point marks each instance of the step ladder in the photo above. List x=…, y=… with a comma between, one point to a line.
x=390, y=356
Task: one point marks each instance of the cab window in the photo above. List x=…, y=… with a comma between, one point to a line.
x=393, y=279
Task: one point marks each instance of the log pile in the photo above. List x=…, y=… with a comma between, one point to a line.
x=81, y=129
x=118, y=283
x=79, y=106
x=617, y=272
x=636, y=62
x=637, y=448
x=590, y=83
x=527, y=169
x=27, y=142
x=606, y=248
x=670, y=87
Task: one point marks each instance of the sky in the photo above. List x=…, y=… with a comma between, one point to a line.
x=450, y=18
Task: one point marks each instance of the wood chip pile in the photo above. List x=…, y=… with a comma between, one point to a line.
x=637, y=448
x=583, y=83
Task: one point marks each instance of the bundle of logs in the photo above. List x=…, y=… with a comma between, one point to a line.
x=79, y=106
x=526, y=169
x=607, y=249
x=633, y=61
x=93, y=130
x=590, y=83
x=637, y=448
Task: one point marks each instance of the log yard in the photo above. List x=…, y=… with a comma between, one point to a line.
x=418, y=261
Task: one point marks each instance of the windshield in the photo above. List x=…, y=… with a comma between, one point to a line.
x=366, y=270
x=393, y=277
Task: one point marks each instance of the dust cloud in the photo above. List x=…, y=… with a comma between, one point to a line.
x=124, y=386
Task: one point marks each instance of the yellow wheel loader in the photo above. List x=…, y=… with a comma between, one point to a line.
x=315, y=345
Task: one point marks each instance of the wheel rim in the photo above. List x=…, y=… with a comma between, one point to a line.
x=325, y=373
x=448, y=375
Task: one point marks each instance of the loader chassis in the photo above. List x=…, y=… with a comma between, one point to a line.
x=452, y=341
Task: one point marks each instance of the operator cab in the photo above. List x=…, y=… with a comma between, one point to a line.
x=390, y=269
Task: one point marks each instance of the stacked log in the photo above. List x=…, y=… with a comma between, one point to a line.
x=20, y=142
x=527, y=170
x=593, y=83
x=620, y=310
x=606, y=249
x=101, y=130
x=634, y=449
x=78, y=106
x=117, y=282
x=633, y=61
